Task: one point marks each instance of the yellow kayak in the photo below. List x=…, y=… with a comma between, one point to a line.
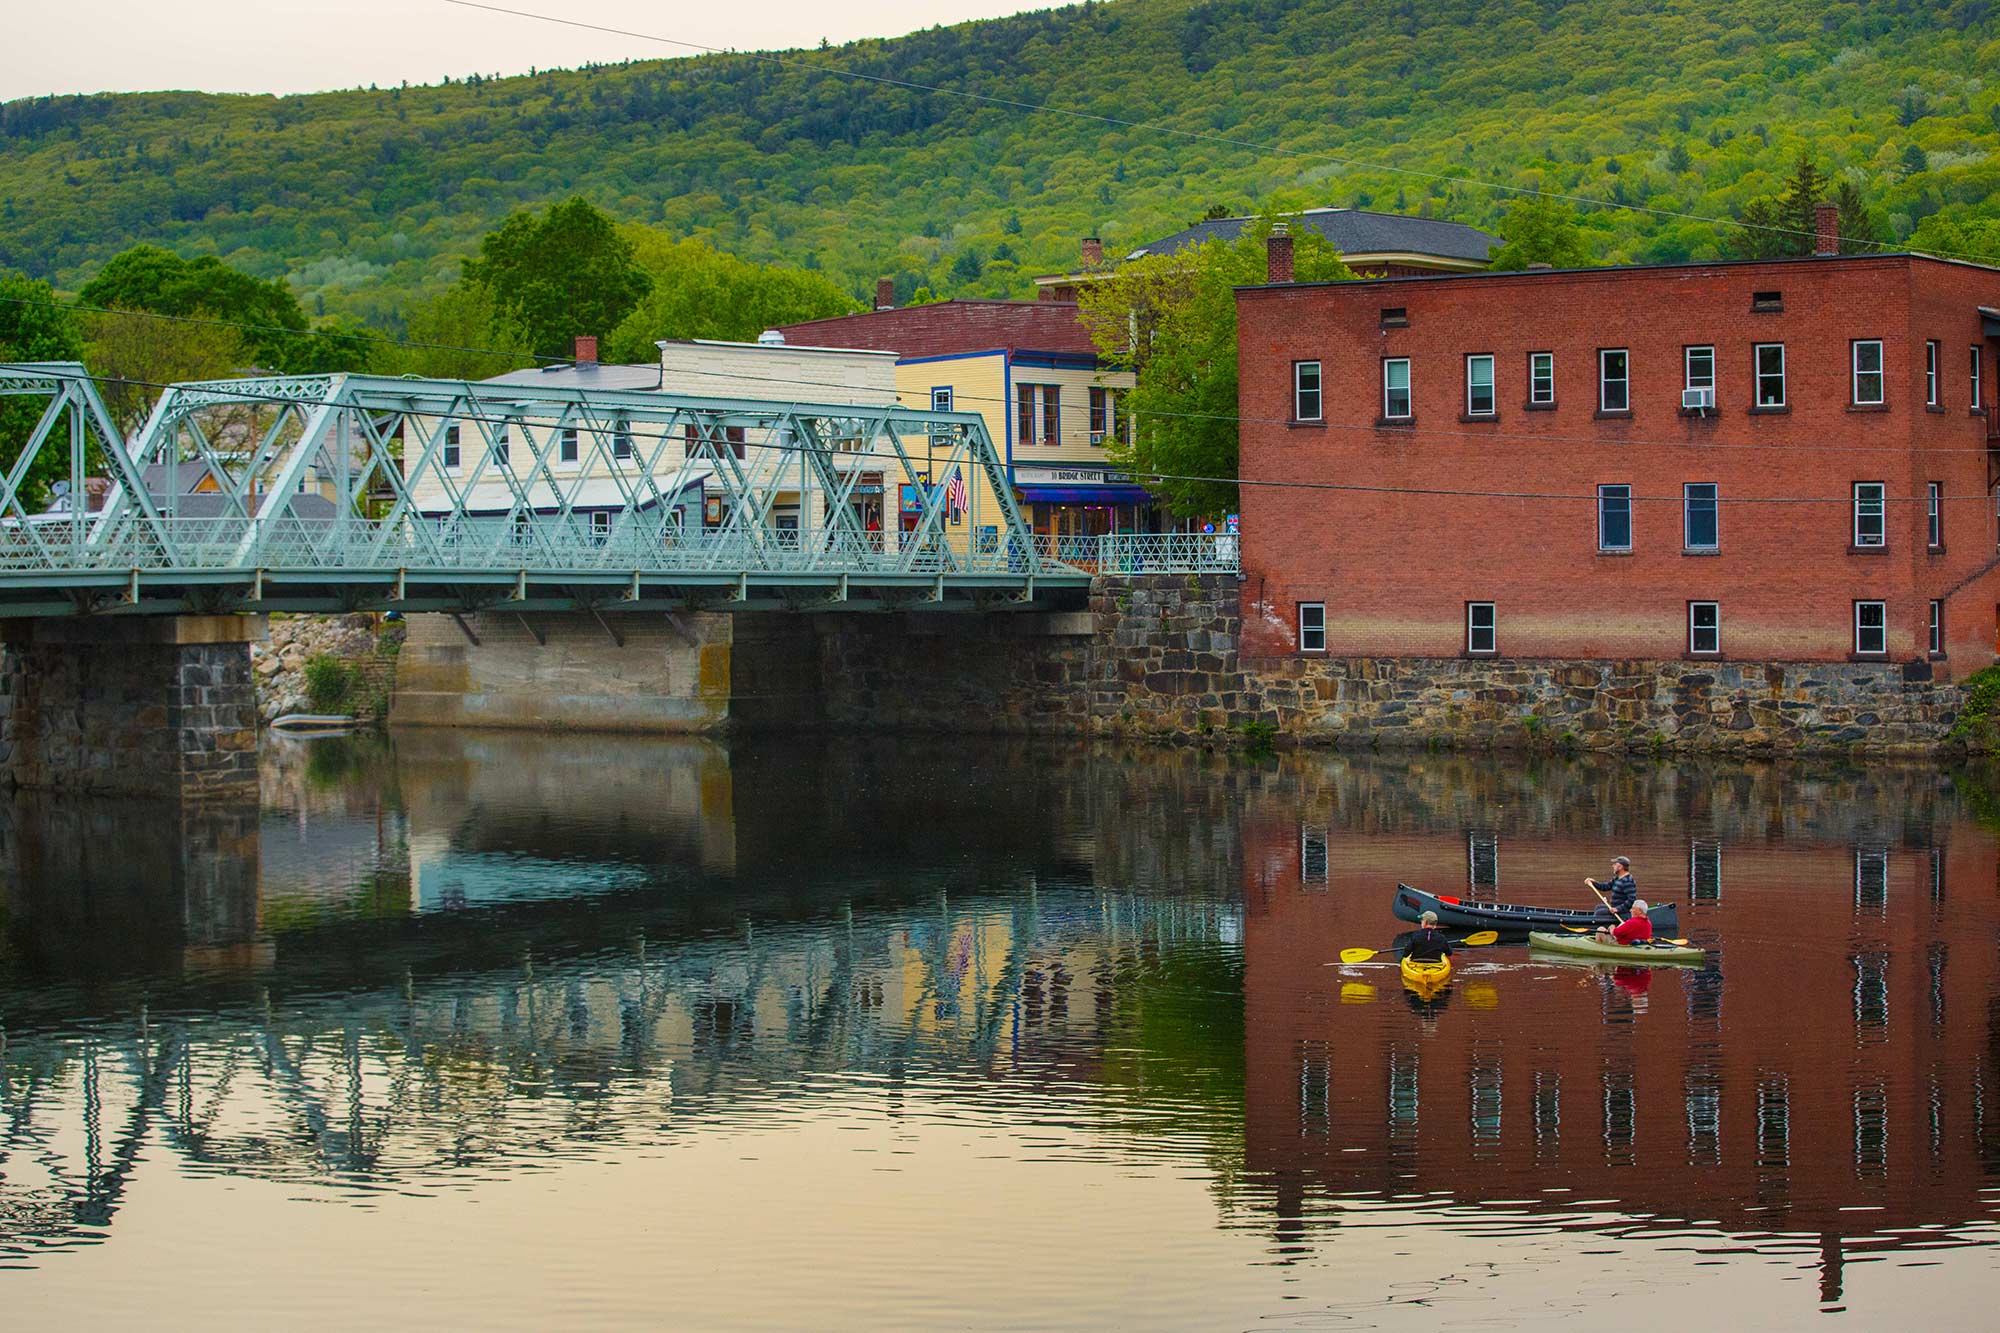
x=1426, y=979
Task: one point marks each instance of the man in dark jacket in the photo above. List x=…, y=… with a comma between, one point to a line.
x=1621, y=890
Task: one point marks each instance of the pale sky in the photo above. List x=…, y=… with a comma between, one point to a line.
x=296, y=46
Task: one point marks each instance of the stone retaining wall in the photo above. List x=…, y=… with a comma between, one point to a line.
x=1158, y=657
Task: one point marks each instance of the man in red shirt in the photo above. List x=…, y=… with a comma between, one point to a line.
x=1634, y=929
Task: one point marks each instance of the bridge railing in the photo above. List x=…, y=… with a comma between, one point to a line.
x=283, y=542
x=1131, y=554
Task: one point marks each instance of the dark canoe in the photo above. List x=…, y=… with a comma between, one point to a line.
x=1457, y=914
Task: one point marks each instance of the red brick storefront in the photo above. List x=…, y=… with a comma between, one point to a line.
x=1458, y=506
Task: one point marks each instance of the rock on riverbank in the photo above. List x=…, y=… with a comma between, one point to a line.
x=279, y=665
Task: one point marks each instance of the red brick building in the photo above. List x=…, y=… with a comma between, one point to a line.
x=1785, y=460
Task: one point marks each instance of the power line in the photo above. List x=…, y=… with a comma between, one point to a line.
x=1473, y=436
x=1160, y=127
x=1591, y=497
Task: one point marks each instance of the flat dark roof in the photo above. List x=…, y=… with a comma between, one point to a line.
x=1612, y=270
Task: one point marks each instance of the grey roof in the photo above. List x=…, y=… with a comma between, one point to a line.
x=589, y=376
x=187, y=476
x=1352, y=231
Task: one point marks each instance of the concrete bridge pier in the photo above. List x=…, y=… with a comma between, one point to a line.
x=154, y=706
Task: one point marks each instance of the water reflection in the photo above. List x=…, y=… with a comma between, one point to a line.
x=435, y=966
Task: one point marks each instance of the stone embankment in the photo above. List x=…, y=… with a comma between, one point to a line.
x=278, y=665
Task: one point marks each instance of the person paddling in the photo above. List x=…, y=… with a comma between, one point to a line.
x=1620, y=892
x=1634, y=929
x=1427, y=943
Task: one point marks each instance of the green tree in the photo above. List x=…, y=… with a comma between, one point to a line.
x=1171, y=319
x=1914, y=160
x=1541, y=231
x=565, y=273
x=698, y=292
x=271, y=323
x=1678, y=159
x=135, y=353
x=1858, y=233
x=1783, y=225
x=33, y=327
x=459, y=334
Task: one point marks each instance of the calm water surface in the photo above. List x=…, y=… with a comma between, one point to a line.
x=530, y=1031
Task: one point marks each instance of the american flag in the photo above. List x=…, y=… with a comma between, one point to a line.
x=956, y=498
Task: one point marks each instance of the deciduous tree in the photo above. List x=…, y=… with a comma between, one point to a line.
x=567, y=272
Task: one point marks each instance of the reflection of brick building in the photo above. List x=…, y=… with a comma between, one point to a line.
x=1609, y=463
x=1841, y=1055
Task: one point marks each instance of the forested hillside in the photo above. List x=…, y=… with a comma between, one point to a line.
x=363, y=199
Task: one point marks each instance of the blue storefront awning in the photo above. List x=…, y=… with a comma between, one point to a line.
x=1085, y=495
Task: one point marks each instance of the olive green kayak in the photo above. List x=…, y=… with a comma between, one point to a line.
x=1642, y=955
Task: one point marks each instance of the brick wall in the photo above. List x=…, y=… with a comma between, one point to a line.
x=1504, y=510
x=949, y=327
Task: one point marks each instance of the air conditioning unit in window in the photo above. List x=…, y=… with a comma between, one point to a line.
x=1701, y=400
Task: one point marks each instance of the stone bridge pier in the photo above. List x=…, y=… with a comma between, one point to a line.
x=153, y=706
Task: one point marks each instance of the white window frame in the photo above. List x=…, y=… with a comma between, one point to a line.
x=1881, y=629
x=1932, y=392
x=940, y=402
x=568, y=445
x=621, y=438
x=1934, y=515
x=1689, y=379
x=1605, y=380
x=1604, y=493
x=451, y=454
x=1409, y=394
x=1978, y=373
x=1880, y=503
x=1492, y=407
x=1688, y=543
x=1536, y=361
x=1855, y=372
x=503, y=444
x=600, y=524
x=1757, y=370
x=1937, y=627
x=1300, y=391
x=1306, y=631
x=1472, y=628
x=1715, y=629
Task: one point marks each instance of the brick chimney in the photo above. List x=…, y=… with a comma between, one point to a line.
x=1826, y=217
x=885, y=293
x=1093, y=252
x=586, y=349
x=1278, y=254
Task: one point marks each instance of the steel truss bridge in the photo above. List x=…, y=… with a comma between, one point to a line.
x=355, y=492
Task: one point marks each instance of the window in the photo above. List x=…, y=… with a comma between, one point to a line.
x=1871, y=627
x=1701, y=518
x=1704, y=627
x=734, y=438
x=1770, y=374
x=1051, y=415
x=1024, y=414
x=1305, y=391
x=451, y=448
x=1614, y=381
x=1871, y=877
x=1482, y=859
x=1395, y=317
x=1937, y=628
x=1100, y=408
x=1479, y=386
x=1698, y=370
x=621, y=438
x=1868, y=507
x=1614, y=518
x=1934, y=514
x=941, y=402
x=1978, y=394
x=1396, y=388
x=600, y=525
x=1867, y=373
x=566, y=445
x=1767, y=300
x=1312, y=627
x=1931, y=373
x=503, y=444
x=1479, y=628
x=1542, y=378
x=1043, y=426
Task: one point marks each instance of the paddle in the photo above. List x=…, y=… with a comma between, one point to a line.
x=1592, y=930
x=1591, y=884
x=1473, y=941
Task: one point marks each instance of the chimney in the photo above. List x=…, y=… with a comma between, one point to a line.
x=1093, y=252
x=586, y=349
x=885, y=293
x=1278, y=254
x=1827, y=218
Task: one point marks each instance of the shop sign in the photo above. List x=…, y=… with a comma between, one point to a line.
x=1069, y=476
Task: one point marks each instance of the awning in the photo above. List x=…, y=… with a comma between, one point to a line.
x=1085, y=495
x=1990, y=321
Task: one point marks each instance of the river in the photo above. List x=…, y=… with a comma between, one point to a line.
x=482, y=1030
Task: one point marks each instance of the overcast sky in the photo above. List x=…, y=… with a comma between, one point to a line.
x=296, y=46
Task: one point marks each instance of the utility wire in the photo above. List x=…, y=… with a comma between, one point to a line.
x=1163, y=128
x=478, y=418
x=1471, y=436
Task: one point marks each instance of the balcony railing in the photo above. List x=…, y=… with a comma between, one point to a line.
x=1130, y=554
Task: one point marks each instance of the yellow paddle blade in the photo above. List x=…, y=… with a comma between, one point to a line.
x=1357, y=955
x=1356, y=992
x=1481, y=937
